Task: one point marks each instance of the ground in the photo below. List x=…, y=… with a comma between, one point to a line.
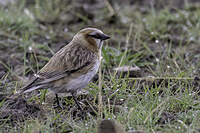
x=149, y=79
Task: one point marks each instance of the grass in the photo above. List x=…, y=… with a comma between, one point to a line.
x=163, y=43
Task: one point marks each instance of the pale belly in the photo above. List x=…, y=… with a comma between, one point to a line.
x=78, y=83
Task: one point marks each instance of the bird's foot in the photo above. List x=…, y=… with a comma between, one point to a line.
x=56, y=106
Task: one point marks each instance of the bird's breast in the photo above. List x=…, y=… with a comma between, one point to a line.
x=81, y=81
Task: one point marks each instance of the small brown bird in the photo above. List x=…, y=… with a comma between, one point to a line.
x=109, y=126
x=73, y=66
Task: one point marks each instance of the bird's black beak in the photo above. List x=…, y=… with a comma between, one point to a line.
x=98, y=35
x=104, y=37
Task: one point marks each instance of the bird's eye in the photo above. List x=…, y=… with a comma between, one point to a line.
x=94, y=35
x=97, y=35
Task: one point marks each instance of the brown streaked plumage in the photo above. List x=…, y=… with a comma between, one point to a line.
x=73, y=66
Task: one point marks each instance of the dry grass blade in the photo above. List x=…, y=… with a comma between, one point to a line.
x=100, y=104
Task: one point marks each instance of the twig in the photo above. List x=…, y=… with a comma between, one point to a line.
x=157, y=78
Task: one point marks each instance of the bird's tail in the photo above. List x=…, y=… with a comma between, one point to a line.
x=33, y=88
x=22, y=91
x=28, y=88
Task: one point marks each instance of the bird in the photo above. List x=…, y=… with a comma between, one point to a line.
x=72, y=67
x=109, y=126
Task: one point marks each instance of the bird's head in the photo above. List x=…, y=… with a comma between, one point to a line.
x=91, y=37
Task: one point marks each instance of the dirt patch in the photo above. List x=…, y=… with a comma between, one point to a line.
x=18, y=109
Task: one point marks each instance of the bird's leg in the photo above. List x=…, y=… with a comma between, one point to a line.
x=74, y=97
x=58, y=102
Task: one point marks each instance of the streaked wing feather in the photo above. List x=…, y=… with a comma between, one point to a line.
x=26, y=87
x=68, y=60
x=56, y=76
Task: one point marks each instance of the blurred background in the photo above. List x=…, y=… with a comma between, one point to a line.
x=42, y=27
x=149, y=38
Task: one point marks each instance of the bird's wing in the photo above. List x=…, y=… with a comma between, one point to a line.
x=68, y=60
